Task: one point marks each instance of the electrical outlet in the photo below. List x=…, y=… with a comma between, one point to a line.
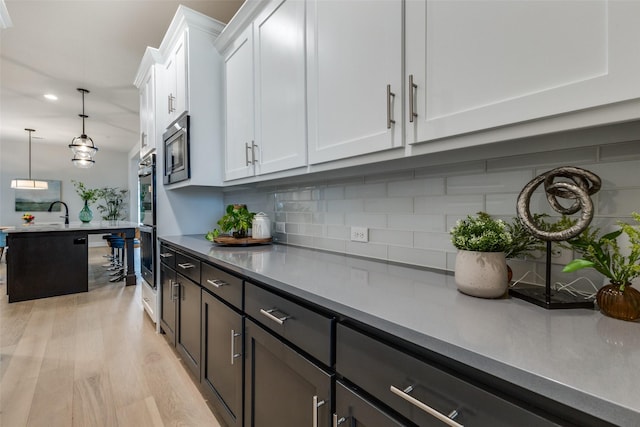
x=280, y=227
x=359, y=234
x=561, y=256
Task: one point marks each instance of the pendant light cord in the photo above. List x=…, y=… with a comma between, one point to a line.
x=30, y=130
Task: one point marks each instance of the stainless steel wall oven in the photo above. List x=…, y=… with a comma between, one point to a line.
x=147, y=194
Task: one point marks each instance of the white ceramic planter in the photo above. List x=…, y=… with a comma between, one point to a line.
x=481, y=274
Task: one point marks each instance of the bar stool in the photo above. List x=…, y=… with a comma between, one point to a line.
x=117, y=245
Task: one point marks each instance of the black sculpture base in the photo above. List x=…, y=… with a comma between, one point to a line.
x=550, y=299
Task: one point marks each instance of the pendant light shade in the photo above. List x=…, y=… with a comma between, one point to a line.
x=29, y=184
x=82, y=146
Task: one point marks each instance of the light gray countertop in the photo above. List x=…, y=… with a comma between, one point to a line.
x=579, y=357
x=73, y=226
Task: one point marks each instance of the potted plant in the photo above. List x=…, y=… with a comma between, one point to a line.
x=604, y=254
x=481, y=267
x=114, y=203
x=236, y=220
x=88, y=195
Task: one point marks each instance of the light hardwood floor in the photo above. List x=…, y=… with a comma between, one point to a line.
x=91, y=359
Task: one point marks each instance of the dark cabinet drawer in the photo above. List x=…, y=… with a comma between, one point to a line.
x=354, y=410
x=188, y=266
x=420, y=391
x=225, y=285
x=167, y=256
x=308, y=330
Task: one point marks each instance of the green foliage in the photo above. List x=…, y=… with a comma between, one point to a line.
x=602, y=253
x=113, y=203
x=524, y=243
x=481, y=233
x=237, y=220
x=88, y=195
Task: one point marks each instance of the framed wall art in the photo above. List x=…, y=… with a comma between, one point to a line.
x=39, y=200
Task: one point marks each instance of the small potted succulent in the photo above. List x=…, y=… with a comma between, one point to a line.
x=603, y=253
x=237, y=220
x=481, y=267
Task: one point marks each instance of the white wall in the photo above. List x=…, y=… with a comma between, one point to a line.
x=53, y=161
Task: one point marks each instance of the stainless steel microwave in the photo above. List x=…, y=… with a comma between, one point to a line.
x=176, y=151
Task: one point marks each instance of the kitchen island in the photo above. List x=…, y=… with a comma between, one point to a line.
x=576, y=359
x=51, y=260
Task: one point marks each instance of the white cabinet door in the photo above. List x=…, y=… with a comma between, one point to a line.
x=483, y=64
x=354, y=51
x=239, y=155
x=147, y=114
x=176, y=81
x=280, y=87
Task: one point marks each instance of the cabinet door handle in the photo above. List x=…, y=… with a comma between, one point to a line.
x=253, y=152
x=278, y=320
x=186, y=266
x=234, y=355
x=404, y=394
x=166, y=255
x=246, y=154
x=390, y=96
x=216, y=283
x=337, y=421
x=171, y=99
x=174, y=286
x=316, y=404
x=412, y=88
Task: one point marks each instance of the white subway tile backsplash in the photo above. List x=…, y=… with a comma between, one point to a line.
x=502, y=204
x=416, y=222
x=365, y=190
x=366, y=220
x=616, y=174
x=389, y=205
x=391, y=237
x=619, y=203
x=497, y=182
x=409, y=212
x=416, y=187
x=449, y=204
x=431, y=240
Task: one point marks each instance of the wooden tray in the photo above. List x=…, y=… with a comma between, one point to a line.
x=245, y=241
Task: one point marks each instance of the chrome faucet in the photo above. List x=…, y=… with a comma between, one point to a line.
x=66, y=211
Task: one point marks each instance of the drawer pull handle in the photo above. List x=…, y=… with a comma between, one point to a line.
x=234, y=355
x=337, y=421
x=186, y=265
x=216, y=283
x=278, y=320
x=166, y=255
x=316, y=404
x=429, y=410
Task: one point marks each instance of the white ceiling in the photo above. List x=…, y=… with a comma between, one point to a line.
x=59, y=46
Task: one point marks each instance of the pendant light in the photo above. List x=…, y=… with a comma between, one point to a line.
x=82, y=146
x=29, y=184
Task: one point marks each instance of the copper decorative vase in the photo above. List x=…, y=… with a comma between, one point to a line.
x=623, y=305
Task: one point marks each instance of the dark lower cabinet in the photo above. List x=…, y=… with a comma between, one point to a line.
x=169, y=290
x=188, y=324
x=221, y=369
x=352, y=410
x=283, y=388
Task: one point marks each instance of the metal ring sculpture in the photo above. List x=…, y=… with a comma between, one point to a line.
x=583, y=184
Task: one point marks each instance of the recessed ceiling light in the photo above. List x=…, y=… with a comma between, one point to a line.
x=51, y=97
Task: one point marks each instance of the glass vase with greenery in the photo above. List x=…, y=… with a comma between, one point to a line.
x=113, y=203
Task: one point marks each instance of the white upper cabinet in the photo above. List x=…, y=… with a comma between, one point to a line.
x=191, y=79
x=176, y=86
x=146, y=83
x=482, y=64
x=240, y=141
x=280, y=87
x=354, y=65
